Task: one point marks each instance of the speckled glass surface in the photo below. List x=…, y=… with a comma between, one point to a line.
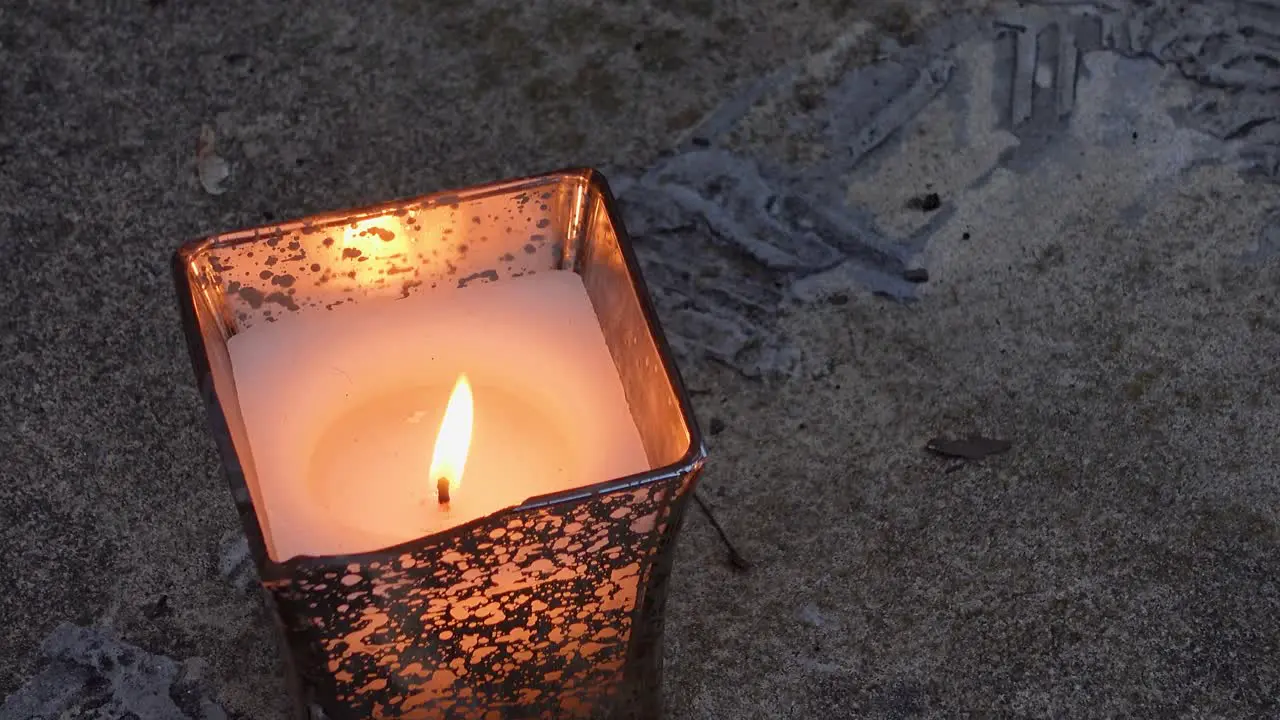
x=552, y=609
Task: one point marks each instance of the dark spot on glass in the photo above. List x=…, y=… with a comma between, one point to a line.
x=272, y=260
x=383, y=234
x=328, y=242
x=351, y=252
x=507, y=257
x=233, y=286
x=543, y=223
x=485, y=275
x=265, y=274
x=462, y=249
x=282, y=280
x=315, y=267
x=538, y=238
x=475, y=219
x=529, y=248
x=253, y=296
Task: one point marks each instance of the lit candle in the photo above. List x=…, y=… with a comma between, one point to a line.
x=388, y=387
x=345, y=411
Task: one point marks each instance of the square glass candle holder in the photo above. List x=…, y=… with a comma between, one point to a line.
x=548, y=607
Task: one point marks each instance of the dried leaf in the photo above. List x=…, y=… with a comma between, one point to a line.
x=974, y=447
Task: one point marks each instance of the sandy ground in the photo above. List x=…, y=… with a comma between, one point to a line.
x=1103, y=268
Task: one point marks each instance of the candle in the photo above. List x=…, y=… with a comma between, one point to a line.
x=342, y=410
x=387, y=388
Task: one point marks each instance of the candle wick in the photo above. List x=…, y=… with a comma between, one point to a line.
x=442, y=490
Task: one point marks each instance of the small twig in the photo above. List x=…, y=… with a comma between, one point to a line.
x=736, y=559
x=442, y=490
x=974, y=447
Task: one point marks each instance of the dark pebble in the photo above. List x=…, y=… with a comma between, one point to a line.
x=927, y=203
x=916, y=275
x=717, y=426
x=838, y=299
x=157, y=609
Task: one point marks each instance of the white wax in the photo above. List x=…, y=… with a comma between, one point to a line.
x=342, y=408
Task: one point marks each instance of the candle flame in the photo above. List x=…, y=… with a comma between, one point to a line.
x=454, y=439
